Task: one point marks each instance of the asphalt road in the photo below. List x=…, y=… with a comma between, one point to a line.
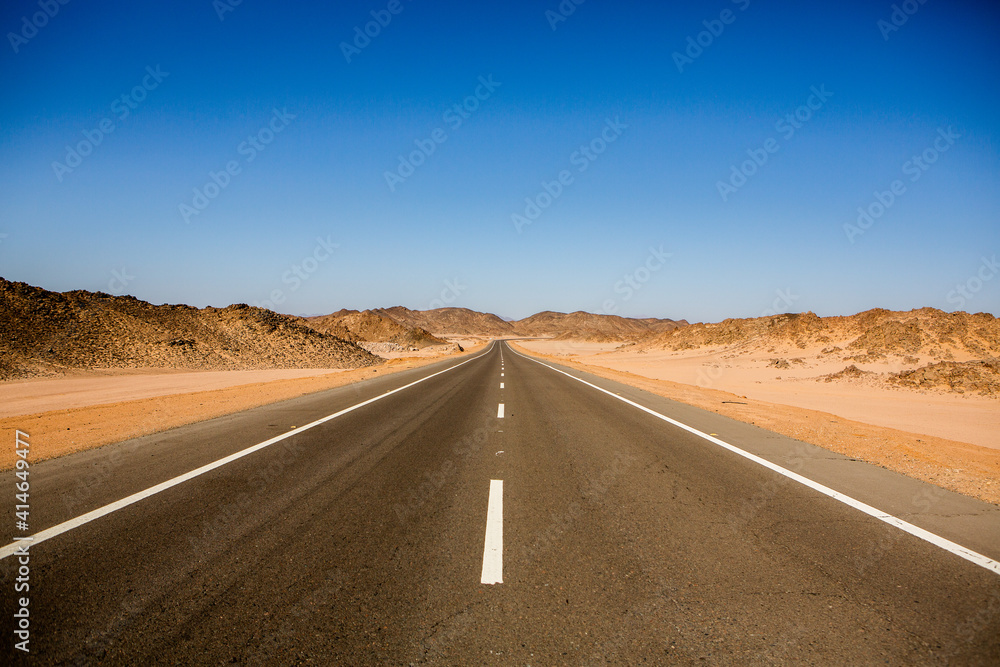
x=621, y=539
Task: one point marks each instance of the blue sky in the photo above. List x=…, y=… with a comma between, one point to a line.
x=650, y=219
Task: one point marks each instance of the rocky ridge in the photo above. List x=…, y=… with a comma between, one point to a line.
x=49, y=333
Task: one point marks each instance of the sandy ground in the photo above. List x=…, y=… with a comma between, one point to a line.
x=91, y=416
x=952, y=464
x=971, y=419
x=26, y=397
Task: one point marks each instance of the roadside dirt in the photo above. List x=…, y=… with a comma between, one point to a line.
x=58, y=432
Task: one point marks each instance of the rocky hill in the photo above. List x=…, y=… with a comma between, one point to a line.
x=579, y=325
x=868, y=336
x=588, y=326
x=48, y=333
x=924, y=349
x=451, y=321
x=372, y=326
x=979, y=377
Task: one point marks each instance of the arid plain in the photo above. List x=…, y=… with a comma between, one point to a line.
x=917, y=392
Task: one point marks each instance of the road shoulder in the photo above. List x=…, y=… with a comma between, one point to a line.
x=59, y=432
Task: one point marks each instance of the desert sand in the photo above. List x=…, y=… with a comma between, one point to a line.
x=26, y=397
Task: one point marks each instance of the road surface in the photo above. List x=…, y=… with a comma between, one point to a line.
x=495, y=510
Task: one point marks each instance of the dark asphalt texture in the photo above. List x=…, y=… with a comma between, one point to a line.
x=626, y=540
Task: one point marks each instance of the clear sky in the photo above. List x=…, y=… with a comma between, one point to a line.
x=687, y=160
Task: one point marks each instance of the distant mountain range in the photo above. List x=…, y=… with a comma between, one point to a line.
x=372, y=326
x=49, y=333
x=870, y=335
x=461, y=321
x=587, y=326
x=578, y=325
x=46, y=333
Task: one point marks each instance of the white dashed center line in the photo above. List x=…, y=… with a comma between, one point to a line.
x=500, y=412
x=493, y=548
x=501, y=385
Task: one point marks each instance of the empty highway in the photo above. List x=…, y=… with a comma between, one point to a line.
x=493, y=509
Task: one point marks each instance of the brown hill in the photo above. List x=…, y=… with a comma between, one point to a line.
x=663, y=325
x=372, y=326
x=450, y=321
x=924, y=349
x=579, y=325
x=588, y=326
x=47, y=333
x=868, y=336
x=981, y=377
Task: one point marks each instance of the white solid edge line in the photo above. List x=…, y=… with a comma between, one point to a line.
x=493, y=545
x=500, y=411
x=67, y=526
x=937, y=540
